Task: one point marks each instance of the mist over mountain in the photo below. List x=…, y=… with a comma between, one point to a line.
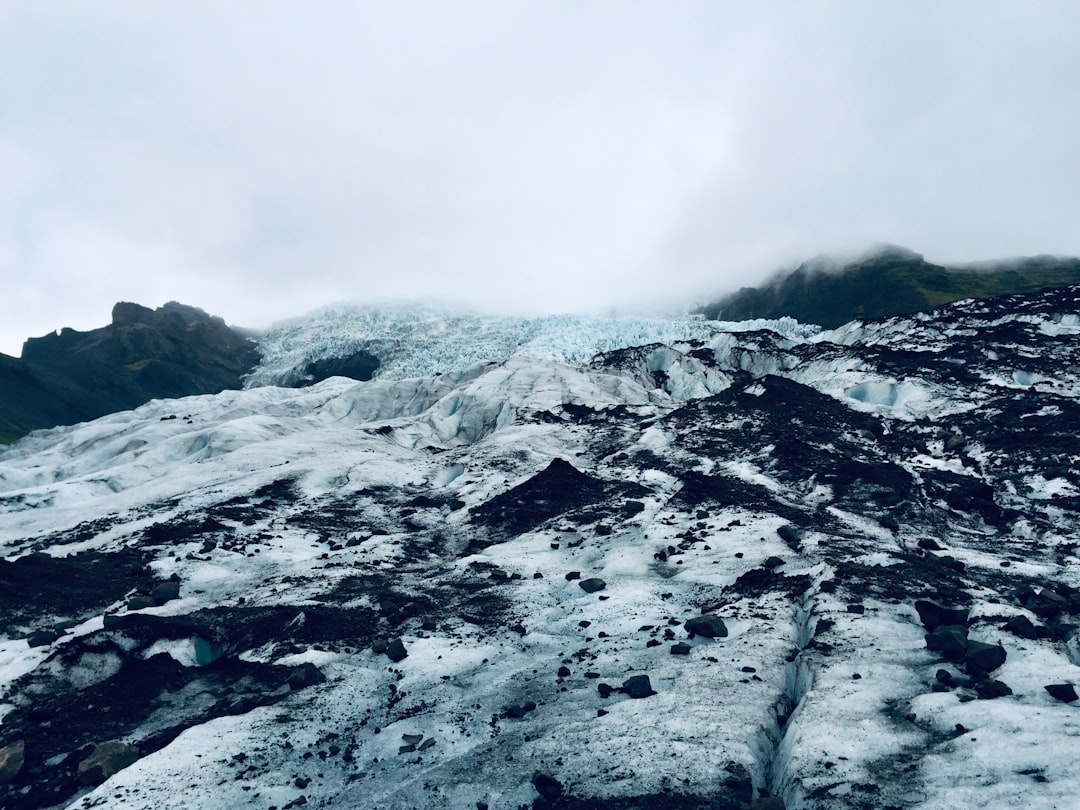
x=888, y=281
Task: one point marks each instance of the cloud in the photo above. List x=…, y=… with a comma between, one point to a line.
x=258, y=159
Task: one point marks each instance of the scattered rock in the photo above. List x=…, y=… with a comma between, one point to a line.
x=1065, y=692
x=572, y=575
x=682, y=648
x=707, y=625
x=637, y=686
x=396, y=651
x=592, y=585
x=107, y=759
x=13, y=756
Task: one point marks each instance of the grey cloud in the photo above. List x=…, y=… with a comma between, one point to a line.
x=260, y=159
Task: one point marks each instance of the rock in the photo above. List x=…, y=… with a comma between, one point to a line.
x=396, y=651
x=768, y=803
x=547, y=785
x=990, y=689
x=1065, y=692
x=592, y=585
x=572, y=575
x=949, y=639
x=604, y=689
x=856, y=609
x=932, y=615
x=564, y=672
x=13, y=756
x=985, y=657
x=107, y=759
x=790, y=535
x=305, y=675
x=41, y=638
x=682, y=648
x=141, y=601
x=928, y=544
x=1021, y=626
x=773, y=563
x=1046, y=604
x=706, y=625
x=165, y=592
x=637, y=687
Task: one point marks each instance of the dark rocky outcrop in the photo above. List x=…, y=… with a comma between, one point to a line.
x=144, y=354
x=889, y=281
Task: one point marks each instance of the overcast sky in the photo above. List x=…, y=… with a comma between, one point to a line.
x=260, y=159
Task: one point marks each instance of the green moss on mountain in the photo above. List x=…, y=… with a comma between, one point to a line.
x=892, y=281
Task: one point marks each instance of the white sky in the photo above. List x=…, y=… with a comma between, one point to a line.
x=260, y=159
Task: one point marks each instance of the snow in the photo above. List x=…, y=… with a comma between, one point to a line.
x=819, y=715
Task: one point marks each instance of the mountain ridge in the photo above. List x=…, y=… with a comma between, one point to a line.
x=887, y=281
x=69, y=376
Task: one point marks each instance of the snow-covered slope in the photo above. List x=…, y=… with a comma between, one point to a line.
x=442, y=591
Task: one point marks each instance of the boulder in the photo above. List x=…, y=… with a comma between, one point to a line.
x=165, y=592
x=107, y=759
x=949, y=639
x=682, y=648
x=706, y=625
x=1065, y=692
x=13, y=756
x=1021, y=626
x=396, y=651
x=637, y=686
x=990, y=689
x=592, y=585
x=41, y=638
x=140, y=601
x=932, y=615
x=549, y=788
x=305, y=675
x=985, y=657
x=1047, y=604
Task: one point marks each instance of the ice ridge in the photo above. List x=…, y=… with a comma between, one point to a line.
x=420, y=341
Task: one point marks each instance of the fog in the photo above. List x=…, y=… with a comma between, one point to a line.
x=261, y=159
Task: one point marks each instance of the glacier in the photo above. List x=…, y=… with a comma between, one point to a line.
x=413, y=340
x=812, y=490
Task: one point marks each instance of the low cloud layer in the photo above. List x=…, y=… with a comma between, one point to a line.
x=259, y=159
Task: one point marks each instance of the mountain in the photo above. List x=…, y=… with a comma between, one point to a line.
x=888, y=281
x=738, y=569
x=144, y=354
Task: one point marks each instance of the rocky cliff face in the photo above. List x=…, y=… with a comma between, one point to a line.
x=889, y=281
x=745, y=570
x=143, y=354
